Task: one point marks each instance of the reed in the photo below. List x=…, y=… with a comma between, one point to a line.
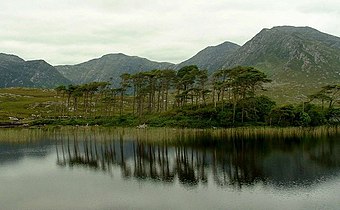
x=164, y=134
x=22, y=135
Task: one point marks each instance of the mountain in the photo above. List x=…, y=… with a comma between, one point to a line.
x=212, y=57
x=288, y=53
x=298, y=59
x=16, y=72
x=109, y=67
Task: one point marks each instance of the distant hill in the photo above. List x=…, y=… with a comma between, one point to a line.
x=16, y=72
x=109, y=67
x=211, y=58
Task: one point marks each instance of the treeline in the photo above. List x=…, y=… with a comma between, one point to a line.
x=190, y=97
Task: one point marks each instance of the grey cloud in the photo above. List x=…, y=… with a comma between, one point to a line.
x=71, y=31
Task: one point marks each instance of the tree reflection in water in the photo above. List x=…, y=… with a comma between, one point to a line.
x=233, y=163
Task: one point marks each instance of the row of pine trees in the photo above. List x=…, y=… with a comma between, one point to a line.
x=160, y=90
x=232, y=93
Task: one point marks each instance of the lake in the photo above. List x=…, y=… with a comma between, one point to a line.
x=99, y=168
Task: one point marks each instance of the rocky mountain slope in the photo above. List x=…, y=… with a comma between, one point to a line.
x=299, y=60
x=211, y=58
x=289, y=54
x=109, y=68
x=16, y=72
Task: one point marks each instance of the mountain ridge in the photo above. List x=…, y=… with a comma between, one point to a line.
x=294, y=57
x=299, y=60
x=211, y=57
x=109, y=66
x=16, y=72
x=298, y=50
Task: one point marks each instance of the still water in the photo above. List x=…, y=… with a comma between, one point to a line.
x=129, y=169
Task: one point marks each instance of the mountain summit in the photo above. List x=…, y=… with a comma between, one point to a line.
x=109, y=66
x=292, y=54
x=211, y=58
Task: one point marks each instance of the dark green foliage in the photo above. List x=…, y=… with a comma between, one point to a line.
x=255, y=109
x=208, y=116
x=121, y=121
x=302, y=119
x=316, y=114
x=282, y=116
x=225, y=118
x=303, y=115
x=333, y=116
x=189, y=116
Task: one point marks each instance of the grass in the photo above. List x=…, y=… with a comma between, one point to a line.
x=22, y=103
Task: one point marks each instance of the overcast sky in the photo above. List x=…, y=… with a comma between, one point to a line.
x=74, y=31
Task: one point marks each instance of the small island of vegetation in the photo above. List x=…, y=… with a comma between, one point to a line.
x=188, y=98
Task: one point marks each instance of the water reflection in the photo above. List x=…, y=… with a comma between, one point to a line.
x=11, y=153
x=234, y=163
x=99, y=168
